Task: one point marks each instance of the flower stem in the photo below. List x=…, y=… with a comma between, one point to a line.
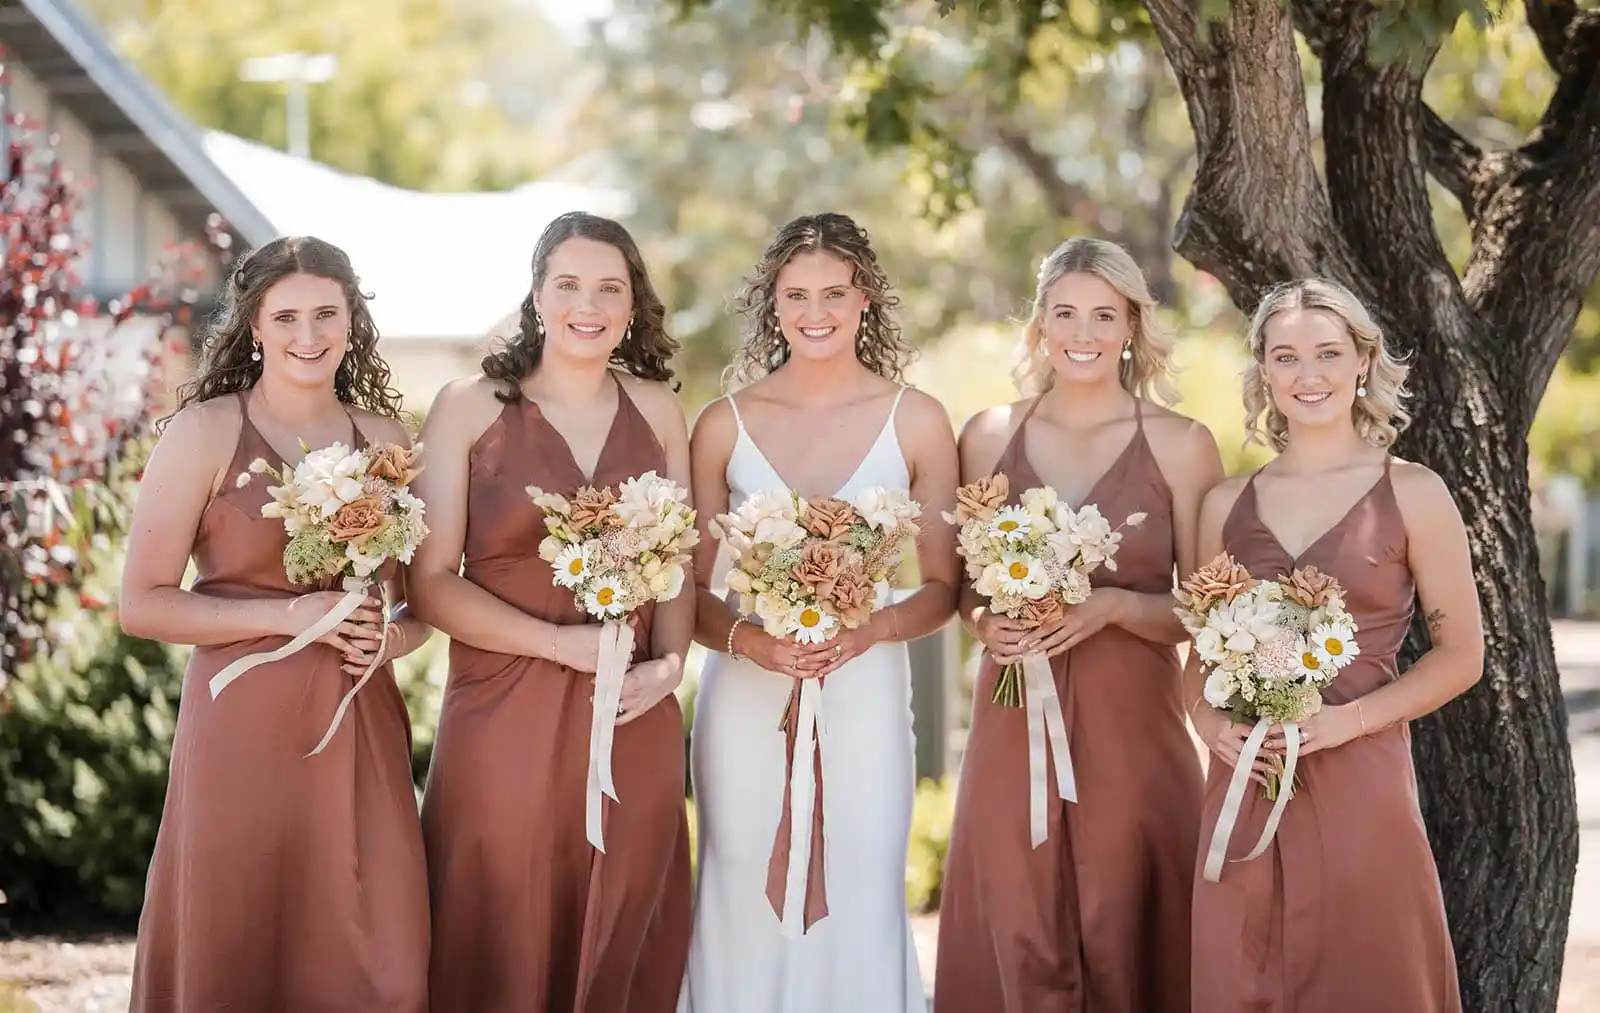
x=1008, y=687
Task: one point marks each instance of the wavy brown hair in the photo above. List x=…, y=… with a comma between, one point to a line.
x=879, y=344
x=225, y=363
x=1379, y=417
x=646, y=348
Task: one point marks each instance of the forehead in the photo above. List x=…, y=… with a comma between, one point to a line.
x=1306, y=327
x=816, y=269
x=301, y=291
x=1084, y=291
x=587, y=258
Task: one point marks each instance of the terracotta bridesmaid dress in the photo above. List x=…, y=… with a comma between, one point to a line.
x=281, y=882
x=1096, y=919
x=527, y=916
x=1343, y=912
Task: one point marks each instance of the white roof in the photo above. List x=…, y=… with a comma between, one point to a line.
x=438, y=265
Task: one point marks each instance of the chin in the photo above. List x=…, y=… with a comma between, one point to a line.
x=1087, y=373
x=821, y=351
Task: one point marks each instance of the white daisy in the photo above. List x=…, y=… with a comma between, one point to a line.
x=1014, y=524
x=606, y=598
x=1020, y=573
x=1335, y=644
x=571, y=566
x=811, y=624
x=1309, y=666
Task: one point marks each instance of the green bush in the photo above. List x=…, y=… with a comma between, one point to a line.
x=931, y=815
x=85, y=739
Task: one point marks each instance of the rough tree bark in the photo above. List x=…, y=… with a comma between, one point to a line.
x=1495, y=766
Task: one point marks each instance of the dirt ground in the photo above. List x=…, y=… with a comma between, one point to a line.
x=91, y=975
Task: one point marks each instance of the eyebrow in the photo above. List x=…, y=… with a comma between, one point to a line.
x=573, y=277
x=1329, y=343
x=296, y=309
x=1073, y=306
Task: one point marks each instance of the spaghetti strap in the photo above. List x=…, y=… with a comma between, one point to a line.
x=737, y=418
x=1138, y=413
x=896, y=406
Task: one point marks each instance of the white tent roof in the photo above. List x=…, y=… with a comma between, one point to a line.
x=438, y=265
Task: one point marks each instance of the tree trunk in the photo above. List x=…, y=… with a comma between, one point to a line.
x=1494, y=767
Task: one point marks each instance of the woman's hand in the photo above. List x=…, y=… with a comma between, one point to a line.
x=647, y=684
x=578, y=646
x=774, y=654
x=820, y=660
x=1226, y=737
x=1102, y=608
x=361, y=625
x=1001, y=636
x=1330, y=727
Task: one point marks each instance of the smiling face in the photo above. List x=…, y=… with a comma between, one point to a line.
x=1085, y=325
x=819, y=306
x=1311, y=367
x=586, y=300
x=303, y=328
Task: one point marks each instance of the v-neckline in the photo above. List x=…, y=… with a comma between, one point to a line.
x=871, y=449
x=566, y=445
x=1296, y=558
x=358, y=438
x=1021, y=440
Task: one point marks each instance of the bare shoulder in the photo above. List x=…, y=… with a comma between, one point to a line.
x=1422, y=495
x=206, y=430
x=1220, y=499
x=655, y=398
x=993, y=426
x=715, y=426
x=463, y=409
x=920, y=411
x=381, y=428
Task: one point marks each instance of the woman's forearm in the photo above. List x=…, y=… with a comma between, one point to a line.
x=177, y=616
x=466, y=612
x=713, y=619
x=673, y=626
x=928, y=609
x=1438, y=677
x=1149, y=616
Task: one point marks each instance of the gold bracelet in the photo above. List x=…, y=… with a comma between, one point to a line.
x=555, y=632
x=731, y=652
x=1361, y=717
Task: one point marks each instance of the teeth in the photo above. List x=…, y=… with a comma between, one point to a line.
x=816, y=332
x=309, y=356
x=1083, y=356
x=587, y=328
x=1312, y=398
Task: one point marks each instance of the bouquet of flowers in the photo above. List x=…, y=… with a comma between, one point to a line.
x=1032, y=560
x=807, y=568
x=1268, y=647
x=347, y=513
x=615, y=550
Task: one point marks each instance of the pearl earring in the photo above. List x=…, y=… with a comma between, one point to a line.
x=1361, y=389
x=255, y=353
x=538, y=324
x=1127, y=351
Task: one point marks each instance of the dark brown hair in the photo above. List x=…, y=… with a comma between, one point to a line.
x=226, y=366
x=879, y=344
x=645, y=350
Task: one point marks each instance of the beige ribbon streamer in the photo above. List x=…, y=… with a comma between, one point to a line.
x=1217, y=853
x=355, y=594
x=1045, y=725
x=616, y=650
x=802, y=791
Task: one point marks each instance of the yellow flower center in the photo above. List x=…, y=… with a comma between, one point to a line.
x=605, y=596
x=575, y=567
x=1019, y=571
x=1310, y=661
x=1333, y=646
x=1009, y=525
x=810, y=618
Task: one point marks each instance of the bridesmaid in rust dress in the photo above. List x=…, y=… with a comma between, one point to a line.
x=528, y=917
x=279, y=882
x=1343, y=912
x=1095, y=919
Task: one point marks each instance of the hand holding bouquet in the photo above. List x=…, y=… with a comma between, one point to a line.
x=807, y=569
x=347, y=513
x=1031, y=561
x=615, y=550
x=1268, y=647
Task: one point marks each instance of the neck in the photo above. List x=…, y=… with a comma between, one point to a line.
x=831, y=380
x=283, y=401
x=1314, y=449
x=1085, y=404
x=567, y=380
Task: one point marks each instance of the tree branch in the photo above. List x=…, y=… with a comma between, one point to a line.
x=1452, y=160
x=1551, y=20
x=1257, y=214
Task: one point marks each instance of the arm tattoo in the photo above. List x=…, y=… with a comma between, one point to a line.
x=1435, y=620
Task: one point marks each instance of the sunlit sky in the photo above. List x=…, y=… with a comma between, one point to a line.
x=571, y=15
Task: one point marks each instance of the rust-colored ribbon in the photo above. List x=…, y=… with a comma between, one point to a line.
x=802, y=884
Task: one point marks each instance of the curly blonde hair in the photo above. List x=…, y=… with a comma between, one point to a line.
x=1379, y=416
x=1149, y=373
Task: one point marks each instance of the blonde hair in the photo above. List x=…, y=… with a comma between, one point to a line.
x=1379, y=416
x=1149, y=373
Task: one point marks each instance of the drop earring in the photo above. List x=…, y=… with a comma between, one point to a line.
x=1127, y=351
x=255, y=352
x=538, y=324
x=1361, y=388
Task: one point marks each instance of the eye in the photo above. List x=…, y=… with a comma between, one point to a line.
x=284, y=318
x=567, y=286
x=612, y=289
x=794, y=296
x=1063, y=314
x=327, y=315
x=1330, y=353
x=1285, y=358
x=1106, y=318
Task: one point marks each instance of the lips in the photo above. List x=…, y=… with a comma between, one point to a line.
x=316, y=356
x=1313, y=399
x=587, y=331
x=1082, y=356
x=817, y=333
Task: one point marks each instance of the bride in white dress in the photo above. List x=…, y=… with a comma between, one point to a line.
x=823, y=414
